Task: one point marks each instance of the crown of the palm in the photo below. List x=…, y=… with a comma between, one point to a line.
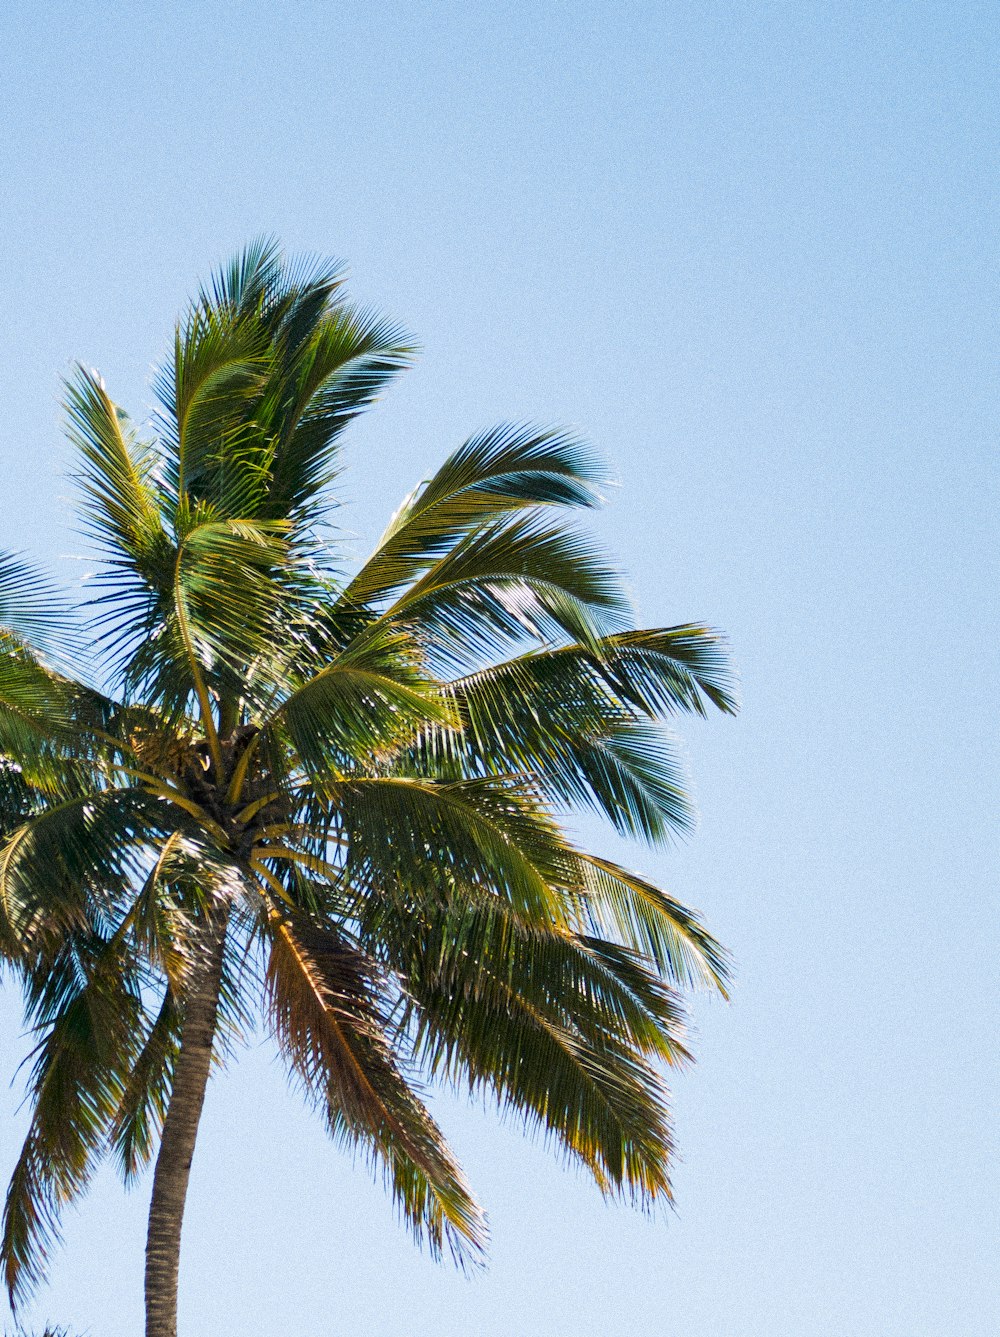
x=361, y=777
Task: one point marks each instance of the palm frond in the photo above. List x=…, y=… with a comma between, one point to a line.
x=85, y=851
x=632, y=775
x=31, y=610
x=38, y=716
x=207, y=391
x=269, y=366
x=320, y=386
x=367, y=700
x=657, y=672
x=509, y=468
x=142, y=1106
x=556, y=1028
x=330, y=1024
x=581, y=745
x=231, y=584
x=644, y=916
x=241, y=287
x=117, y=476
x=88, y=1009
x=442, y=840
x=668, y=670
x=515, y=579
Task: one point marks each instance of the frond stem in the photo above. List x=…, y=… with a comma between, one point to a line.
x=201, y=691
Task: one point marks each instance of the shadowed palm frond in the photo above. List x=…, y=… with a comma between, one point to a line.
x=584, y=749
x=655, y=673
x=61, y=860
x=36, y=716
x=87, y=1007
x=367, y=700
x=142, y=1104
x=431, y=839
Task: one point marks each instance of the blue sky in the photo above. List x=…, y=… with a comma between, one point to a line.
x=749, y=248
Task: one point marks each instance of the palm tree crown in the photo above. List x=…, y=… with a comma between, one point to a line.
x=334, y=801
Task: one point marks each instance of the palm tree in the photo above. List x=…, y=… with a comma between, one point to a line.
x=334, y=800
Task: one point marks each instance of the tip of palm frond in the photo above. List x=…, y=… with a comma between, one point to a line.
x=32, y=610
x=47, y=1331
x=251, y=271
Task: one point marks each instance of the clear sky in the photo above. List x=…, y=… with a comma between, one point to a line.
x=750, y=248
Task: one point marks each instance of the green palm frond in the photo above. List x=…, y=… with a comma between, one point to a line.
x=367, y=700
x=117, y=476
x=36, y=713
x=632, y=776
x=651, y=673
x=582, y=747
x=489, y=837
x=350, y=356
x=227, y=594
x=670, y=670
x=593, y=982
x=143, y=1099
x=220, y=361
x=241, y=286
x=578, y=721
x=629, y=906
x=19, y=799
x=509, y=468
x=88, y=846
x=32, y=614
x=269, y=367
x=556, y=1029
x=233, y=584
x=508, y=581
x=86, y=1007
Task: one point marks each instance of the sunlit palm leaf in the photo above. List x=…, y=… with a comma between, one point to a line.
x=509, y=581
x=121, y=507
x=547, y=1028
x=350, y=356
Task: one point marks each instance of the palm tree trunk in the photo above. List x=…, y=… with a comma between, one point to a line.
x=180, y=1130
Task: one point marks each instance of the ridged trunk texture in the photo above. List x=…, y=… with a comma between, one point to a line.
x=180, y=1131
